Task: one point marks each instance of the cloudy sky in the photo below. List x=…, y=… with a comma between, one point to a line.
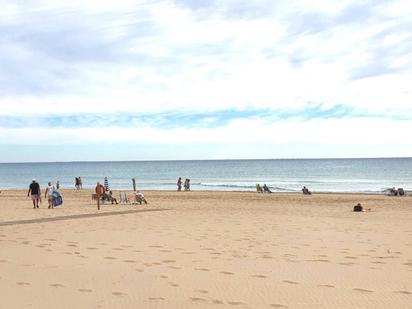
x=191, y=79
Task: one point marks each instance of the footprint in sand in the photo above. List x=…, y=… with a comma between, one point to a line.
x=118, y=294
x=202, y=291
x=109, y=258
x=92, y=248
x=173, y=284
x=129, y=261
x=3, y=261
x=259, y=276
x=235, y=303
x=217, y=302
x=85, y=290
x=326, y=285
x=363, y=290
x=403, y=292
x=227, y=273
x=290, y=282
x=197, y=299
x=22, y=283
x=202, y=269
x=139, y=270
x=156, y=298
x=57, y=285
x=168, y=261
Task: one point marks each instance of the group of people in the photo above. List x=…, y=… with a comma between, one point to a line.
x=78, y=183
x=105, y=194
x=395, y=192
x=53, y=196
x=263, y=189
x=186, y=184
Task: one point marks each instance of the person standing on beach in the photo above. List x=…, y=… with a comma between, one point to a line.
x=80, y=183
x=187, y=184
x=76, y=182
x=99, y=193
x=49, y=195
x=34, y=190
x=179, y=184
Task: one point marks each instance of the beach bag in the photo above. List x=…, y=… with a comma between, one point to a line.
x=57, y=199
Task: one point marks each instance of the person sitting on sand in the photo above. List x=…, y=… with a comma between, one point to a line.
x=393, y=191
x=108, y=196
x=139, y=196
x=266, y=189
x=259, y=188
x=306, y=191
x=358, y=207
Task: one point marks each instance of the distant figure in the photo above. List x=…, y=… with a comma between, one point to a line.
x=266, y=189
x=76, y=183
x=99, y=193
x=57, y=184
x=358, y=207
x=306, y=191
x=140, y=198
x=393, y=191
x=187, y=184
x=49, y=195
x=259, y=188
x=99, y=189
x=108, y=196
x=34, y=190
x=179, y=184
x=80, y=183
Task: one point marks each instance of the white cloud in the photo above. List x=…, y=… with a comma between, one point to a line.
x=157, y=56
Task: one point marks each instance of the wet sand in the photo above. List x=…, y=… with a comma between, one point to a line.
x=207, y=250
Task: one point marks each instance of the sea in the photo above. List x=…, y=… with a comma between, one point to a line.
x=281, y=175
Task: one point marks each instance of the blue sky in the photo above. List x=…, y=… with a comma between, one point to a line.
x=185, y=79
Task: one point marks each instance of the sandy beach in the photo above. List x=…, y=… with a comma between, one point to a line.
x=207, y=250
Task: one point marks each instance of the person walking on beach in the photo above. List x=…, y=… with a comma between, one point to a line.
x=49, y=195
x=179, y=184
x=187, y=184
x=58, y=184
x=76, y=183
x=80, y=183
x=34, y=190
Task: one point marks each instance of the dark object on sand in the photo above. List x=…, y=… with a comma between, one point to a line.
x=306, y=191
x=358, y=207
x=401, y=192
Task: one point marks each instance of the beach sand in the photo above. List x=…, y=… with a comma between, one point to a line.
x=207, y=250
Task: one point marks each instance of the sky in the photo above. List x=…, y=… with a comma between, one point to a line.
x=188, y=79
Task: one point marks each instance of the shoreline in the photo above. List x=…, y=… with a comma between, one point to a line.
x=407, y=192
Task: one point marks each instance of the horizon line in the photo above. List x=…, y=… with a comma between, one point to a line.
x=186, y=160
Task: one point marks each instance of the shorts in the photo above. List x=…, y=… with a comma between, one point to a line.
x=50, y=197
x=34, y=197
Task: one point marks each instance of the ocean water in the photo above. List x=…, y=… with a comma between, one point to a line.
x=288, y=175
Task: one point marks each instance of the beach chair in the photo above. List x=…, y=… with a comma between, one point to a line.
x=123, y=199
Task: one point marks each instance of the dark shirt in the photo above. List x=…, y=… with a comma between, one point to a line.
x=34, y=188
